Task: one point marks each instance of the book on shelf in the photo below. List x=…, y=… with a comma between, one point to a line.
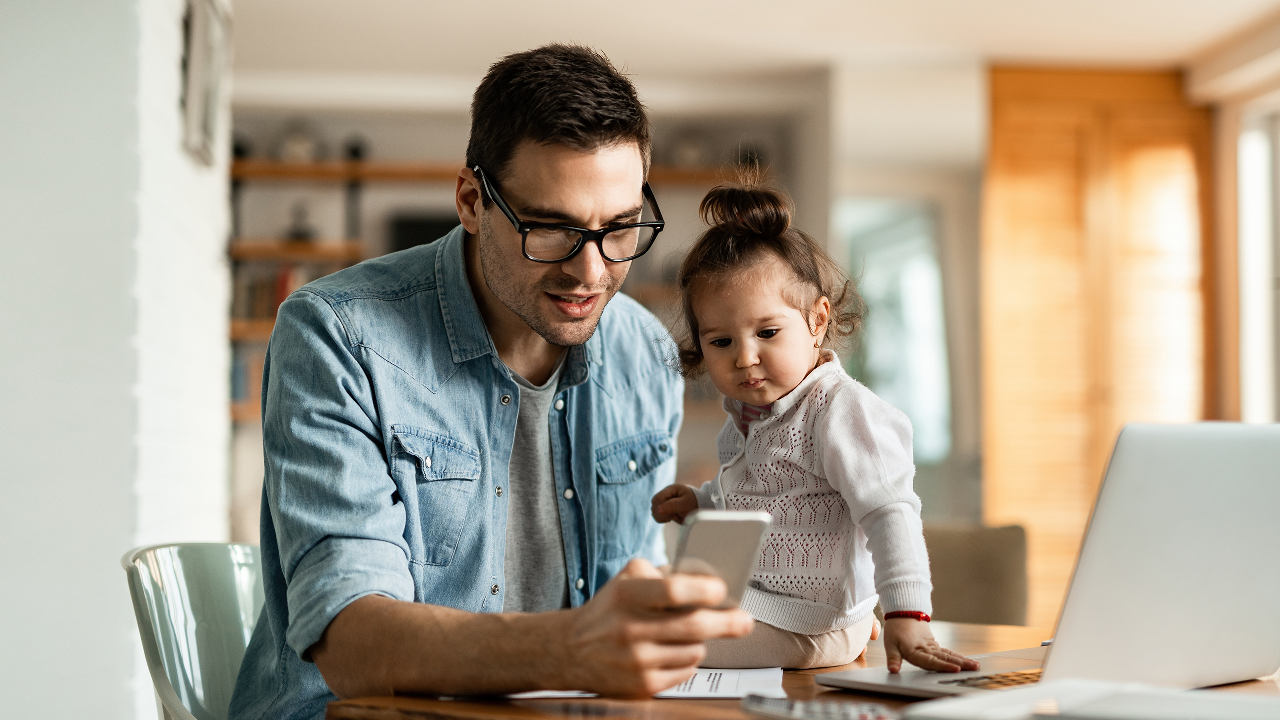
x=258, y=289
x=247, y=364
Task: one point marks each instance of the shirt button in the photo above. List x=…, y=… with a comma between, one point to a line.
x=631, y=465
x=568, y=494
x=499, y=491
x=506, y=399
x=559, y=404
x=580, y=583
x=426, y=461
x=493, y=590
x=663, y=447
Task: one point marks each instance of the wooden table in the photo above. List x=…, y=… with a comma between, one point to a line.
x=799, y=684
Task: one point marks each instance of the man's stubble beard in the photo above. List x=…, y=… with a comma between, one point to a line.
x=525, y=302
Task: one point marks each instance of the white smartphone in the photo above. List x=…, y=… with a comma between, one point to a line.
x=724, y=543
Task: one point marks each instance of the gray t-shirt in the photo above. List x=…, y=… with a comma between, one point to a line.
x=535, y=574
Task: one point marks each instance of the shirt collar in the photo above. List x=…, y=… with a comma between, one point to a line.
x=468, y=336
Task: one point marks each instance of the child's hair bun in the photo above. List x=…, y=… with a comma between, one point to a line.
x=747, y=208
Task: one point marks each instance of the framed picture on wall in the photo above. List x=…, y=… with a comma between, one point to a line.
x=206, y=29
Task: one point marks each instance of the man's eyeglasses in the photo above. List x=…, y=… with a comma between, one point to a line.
x=549, y=243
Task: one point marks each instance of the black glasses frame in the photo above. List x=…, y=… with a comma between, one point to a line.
x=584, y=235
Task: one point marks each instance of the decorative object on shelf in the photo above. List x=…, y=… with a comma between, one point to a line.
x=355, y=149
x=241, y=147
x=300, y=143
x=206, y=27
x=300, y=229
x=691, y=149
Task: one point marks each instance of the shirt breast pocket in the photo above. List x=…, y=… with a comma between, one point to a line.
x=437, y=479
x=624, y=470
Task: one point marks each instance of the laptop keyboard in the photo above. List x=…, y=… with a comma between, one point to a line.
x=998, y=681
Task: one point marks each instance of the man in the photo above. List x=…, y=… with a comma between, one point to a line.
x=476, y=426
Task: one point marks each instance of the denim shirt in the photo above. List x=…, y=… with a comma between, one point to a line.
x=388, y=422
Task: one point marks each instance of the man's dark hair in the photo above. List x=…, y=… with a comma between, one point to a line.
x=555, y=95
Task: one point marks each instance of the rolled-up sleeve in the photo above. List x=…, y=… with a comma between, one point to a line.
x=339, y=531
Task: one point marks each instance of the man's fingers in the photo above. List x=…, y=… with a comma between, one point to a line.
x=660, y=680
x=693, y=627
x=639, y=568
x=677, y=591
x=687, y=590
x=665, y=656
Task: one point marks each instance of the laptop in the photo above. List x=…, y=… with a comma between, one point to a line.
x=1177, y=582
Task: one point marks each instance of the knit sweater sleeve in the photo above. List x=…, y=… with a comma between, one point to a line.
x=709, y=496
x=865, y=446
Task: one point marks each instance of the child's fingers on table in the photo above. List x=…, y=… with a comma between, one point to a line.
x=965, y=663
x=926, y=659
x=892, y=659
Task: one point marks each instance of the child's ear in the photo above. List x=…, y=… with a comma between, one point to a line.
x=819, y=315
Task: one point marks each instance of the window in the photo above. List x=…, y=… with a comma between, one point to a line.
x=901, y=352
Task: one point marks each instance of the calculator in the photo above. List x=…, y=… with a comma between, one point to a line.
x=786, y=709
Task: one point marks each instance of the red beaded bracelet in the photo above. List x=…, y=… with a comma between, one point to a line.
x=914, y=615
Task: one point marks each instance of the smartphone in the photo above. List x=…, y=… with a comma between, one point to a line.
x=724, y=543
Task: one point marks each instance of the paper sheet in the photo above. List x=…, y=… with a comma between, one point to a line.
x=713, y=683
x=707, y=683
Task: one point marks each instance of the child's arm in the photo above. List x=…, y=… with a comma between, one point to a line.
x=674, y=502
x=911, y=640
x=866, y=453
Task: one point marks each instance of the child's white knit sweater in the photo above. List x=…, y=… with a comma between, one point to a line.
x=832, y=463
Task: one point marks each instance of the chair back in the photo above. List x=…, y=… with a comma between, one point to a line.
x=196, y=606
x=979, y=573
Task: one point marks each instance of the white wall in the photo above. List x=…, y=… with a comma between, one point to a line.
x=113, y=295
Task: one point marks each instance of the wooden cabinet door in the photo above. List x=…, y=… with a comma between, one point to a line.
x=1092, y=292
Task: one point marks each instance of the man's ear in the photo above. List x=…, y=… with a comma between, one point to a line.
x=819, y=316
x=467, y=197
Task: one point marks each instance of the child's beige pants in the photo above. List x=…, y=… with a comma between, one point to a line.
x=768, y=646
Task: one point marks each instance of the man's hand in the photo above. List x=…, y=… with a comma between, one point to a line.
x=674, y=502
x=909, y=639
x=643, y=633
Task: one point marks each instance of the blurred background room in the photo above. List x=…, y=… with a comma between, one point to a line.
x=1061, y=214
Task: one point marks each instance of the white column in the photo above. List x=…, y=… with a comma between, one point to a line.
x=113, y=290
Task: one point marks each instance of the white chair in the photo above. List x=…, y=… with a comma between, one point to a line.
x=196, y=606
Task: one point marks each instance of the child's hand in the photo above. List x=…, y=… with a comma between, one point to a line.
x=674, y=502
x=909, y=639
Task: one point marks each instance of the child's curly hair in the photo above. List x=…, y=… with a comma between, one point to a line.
x=750, y=221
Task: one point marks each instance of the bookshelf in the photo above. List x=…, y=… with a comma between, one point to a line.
x=266, y=270
x=343, y=171
x=378, y=171
x=295, y=251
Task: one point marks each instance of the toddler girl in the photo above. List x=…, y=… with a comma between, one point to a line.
x=805, y=442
